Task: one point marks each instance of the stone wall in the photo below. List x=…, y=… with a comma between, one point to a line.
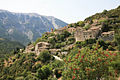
x=41, y=46
x=82, y=34
x=107, y=36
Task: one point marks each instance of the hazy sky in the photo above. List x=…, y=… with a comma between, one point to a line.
x=67, y=10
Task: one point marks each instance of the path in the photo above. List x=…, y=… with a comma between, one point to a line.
x=58, y=58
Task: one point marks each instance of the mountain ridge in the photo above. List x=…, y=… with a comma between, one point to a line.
x=28, y=26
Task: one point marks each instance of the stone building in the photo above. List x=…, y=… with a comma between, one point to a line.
x=71, y=30
x=79, y=34
x=29, y=49
x=41, y=46
x=53, y=51
x=92, y=33
x=107, y=36
x=59, y=31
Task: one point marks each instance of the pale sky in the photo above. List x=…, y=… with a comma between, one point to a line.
x=69, y=11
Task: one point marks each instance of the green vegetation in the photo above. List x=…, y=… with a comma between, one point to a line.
x=71, y=40
x=117, y=38
x=86, y=43
x=44, y=56
x=58, y=40
x=28, y=66
x=91, y=64
x=81, y=23
x=87, y=26
x=8, y=47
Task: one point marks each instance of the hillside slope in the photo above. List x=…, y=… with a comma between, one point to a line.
x=7, y=47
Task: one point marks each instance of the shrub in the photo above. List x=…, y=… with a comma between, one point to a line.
x=44, y=56
x=81, y=23
x=117, y=38
x=57, y=45
x=70, y=25
x=71, y=40
x=87, y=26
x=91, y=41
x=90, y=64
x=52, y=40
x=66, y=34
x=44, y=72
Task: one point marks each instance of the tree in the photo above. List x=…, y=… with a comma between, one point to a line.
x=90, y=64
x=66, y=34
x=81, y=23
x=44, y=56
x=57, y=45
x=117, y=38
x=46, y=70
x=52, y=40
x=40, y=74
x=105, y=11
x=87, y=26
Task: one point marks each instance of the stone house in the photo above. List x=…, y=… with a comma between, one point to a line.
x=29, y=49
x=110, y=33
x=53, y=51
x=92, y=33
x=79, y=34
x=41, y=46
x=71, y=30
x=59, y=31
x=107, y=36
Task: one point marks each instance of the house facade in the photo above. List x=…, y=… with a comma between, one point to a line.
x=41, y=46
x=59, y=31
x=107, y=36
x=82, y=34
x=29, y=49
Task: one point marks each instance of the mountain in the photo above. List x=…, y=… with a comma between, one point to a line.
x=26, y=27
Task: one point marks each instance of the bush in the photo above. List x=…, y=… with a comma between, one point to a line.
x=70, y=25
x=81, y=23
x=91, y=41
x=87, y=26
x=66, y=34
x=90, y=64
x=60, y=37
x=44, y=56
x=103, y=44
x=30, y=77
x=81, y=44
x=71, y=40
x=58, y=72
x=44, y=72
x=52, y=40
x=57, y=45
x=110, y=48
x=117, y=38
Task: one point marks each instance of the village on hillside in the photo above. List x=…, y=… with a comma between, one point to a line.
x=79, y=33
x=85, y=50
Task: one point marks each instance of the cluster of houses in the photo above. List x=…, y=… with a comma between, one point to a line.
x=80, y=34
x=41, y=46
x=92, y=33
